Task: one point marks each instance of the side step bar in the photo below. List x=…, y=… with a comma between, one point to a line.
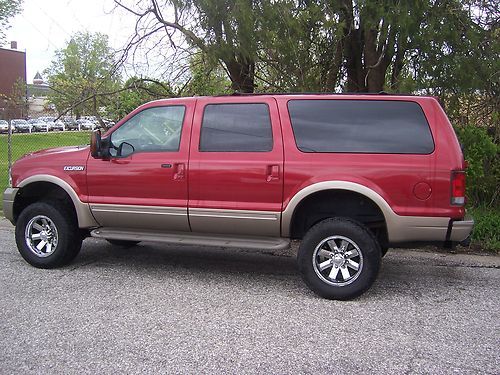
x=186, y=238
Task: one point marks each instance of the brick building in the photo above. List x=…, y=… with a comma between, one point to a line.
x=13, y=103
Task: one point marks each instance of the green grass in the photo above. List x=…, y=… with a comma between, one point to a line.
x=486, y=234
x=25, y=143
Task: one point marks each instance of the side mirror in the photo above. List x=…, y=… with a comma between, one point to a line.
x=96, y=144
x=125, y=149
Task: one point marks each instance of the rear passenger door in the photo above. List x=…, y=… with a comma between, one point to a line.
x=236, y=167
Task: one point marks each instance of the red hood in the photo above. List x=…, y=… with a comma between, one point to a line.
x=54, y=151
x=49, y=162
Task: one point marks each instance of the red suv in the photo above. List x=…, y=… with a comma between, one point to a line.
x=349, y=175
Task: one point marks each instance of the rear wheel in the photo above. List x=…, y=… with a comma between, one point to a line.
x=339, y=258
x=47, y=235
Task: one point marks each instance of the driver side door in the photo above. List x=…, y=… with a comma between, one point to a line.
x=146, y=188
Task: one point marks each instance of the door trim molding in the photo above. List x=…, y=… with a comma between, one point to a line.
x=133, y=209
x=234, y=214
x=141, y=217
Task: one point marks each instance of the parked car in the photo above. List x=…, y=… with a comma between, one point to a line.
x=21, y=126
x=347, y=175
x=49, y=120
x=90, y=118
x=85, y=124
x=58, y=125
x=39, y=125
x=4, y=126
x=70, y=123
x=109, y=123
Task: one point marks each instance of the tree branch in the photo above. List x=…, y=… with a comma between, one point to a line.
x=132, y=85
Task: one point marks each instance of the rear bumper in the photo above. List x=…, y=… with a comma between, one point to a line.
x=459, y=230
x=404, y=229
x=9, y=196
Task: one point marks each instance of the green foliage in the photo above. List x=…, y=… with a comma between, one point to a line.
x=323, y=45
x=486, y=228
x=8, y=9
x=483, y=173
x=298, y=47
x=135, y=92
x=230, y=34
x=81, y=73
x=207, y=78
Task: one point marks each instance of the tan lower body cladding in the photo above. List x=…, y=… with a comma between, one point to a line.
x=234, y=222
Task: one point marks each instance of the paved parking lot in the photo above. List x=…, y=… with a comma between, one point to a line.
x=154, y=308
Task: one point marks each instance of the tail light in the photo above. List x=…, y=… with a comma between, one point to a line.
x=457, y=188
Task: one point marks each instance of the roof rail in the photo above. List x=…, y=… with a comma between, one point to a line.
x=313, y=93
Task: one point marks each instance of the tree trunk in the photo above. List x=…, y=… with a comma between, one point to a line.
x=353, y=50
x=397, y=67
x=334, y=69
x=241, y=75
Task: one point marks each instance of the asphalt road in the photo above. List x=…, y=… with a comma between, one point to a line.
x=158, y=309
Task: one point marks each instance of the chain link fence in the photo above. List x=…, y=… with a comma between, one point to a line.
x=15, y=143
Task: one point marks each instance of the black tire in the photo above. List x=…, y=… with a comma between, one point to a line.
x=384, y=250
x=327, y=253
x=123, y=243
x=68, y=238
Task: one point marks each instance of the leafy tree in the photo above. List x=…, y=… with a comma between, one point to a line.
x=300, y=47
x=462, y=66
x=135, y=92
x=483, y=156
x=375, y=45
x=8, y=9
x=82, y=74
x=206, y=77
x=331, y=45
x=224, y=29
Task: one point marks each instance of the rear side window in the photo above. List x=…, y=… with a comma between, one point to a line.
x=236, y=128
x=360, y=126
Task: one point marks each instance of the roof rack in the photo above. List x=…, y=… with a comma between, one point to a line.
x=314, y=93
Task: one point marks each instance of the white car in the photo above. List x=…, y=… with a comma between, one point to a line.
x=4, y=126
x=21, y=126
x=58, y=125
x=85, y=124
x=39, y=125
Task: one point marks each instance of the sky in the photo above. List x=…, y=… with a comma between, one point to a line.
x=45, y=26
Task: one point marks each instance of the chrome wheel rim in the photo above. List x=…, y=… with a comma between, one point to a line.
x=337, y=260
x=41, y=236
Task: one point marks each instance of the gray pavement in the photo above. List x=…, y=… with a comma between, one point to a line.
x=163, y=309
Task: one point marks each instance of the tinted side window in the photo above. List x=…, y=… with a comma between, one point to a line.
x=236, y=127
x=154, y=129
x=363, y=126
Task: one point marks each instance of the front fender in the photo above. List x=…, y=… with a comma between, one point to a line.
x=83, y=213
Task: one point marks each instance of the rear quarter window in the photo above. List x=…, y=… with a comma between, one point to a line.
x=360, y=126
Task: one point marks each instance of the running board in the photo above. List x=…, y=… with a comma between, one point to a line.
x=186, y=238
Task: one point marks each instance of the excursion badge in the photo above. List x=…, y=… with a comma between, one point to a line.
x=74, y=168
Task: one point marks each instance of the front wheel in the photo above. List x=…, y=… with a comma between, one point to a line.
x=47, y=235
x=339, y=258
